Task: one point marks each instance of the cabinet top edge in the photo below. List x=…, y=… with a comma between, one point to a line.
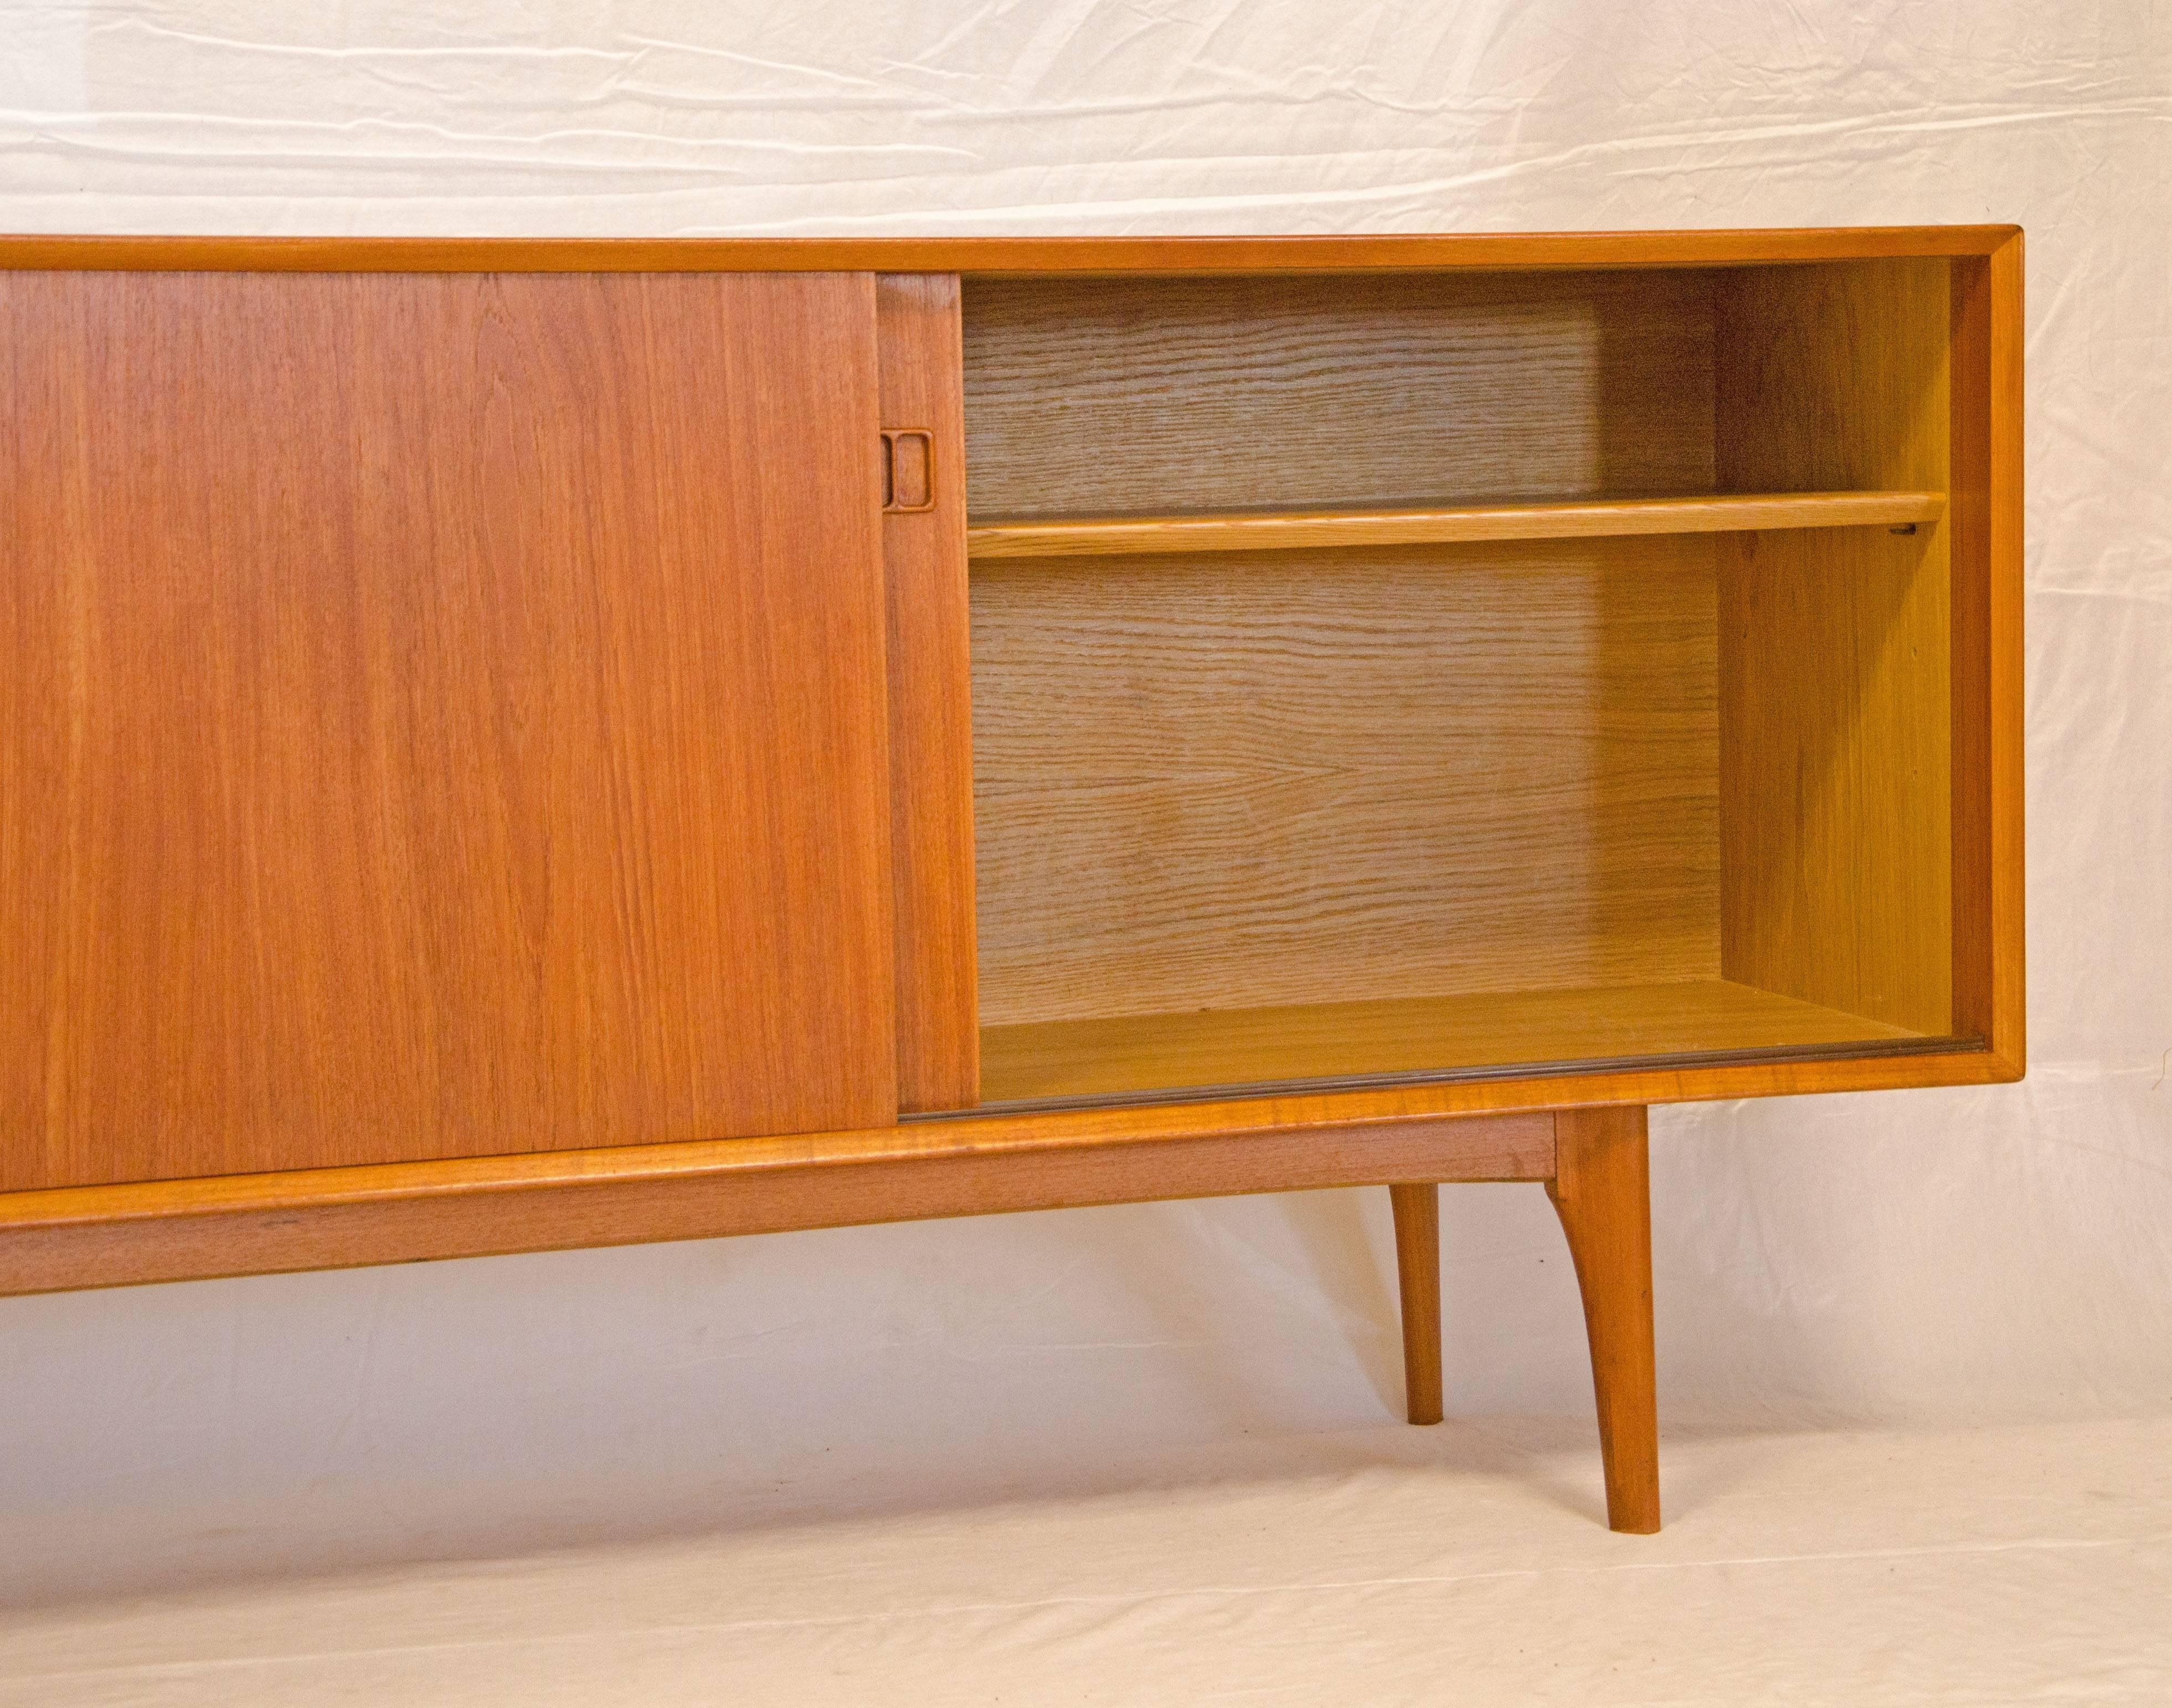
x=995, y=255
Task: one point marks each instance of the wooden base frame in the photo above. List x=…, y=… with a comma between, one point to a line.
x=1592, y=1162
x=1600, y=1187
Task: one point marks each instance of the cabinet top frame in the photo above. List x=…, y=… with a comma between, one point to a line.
x=999, y=255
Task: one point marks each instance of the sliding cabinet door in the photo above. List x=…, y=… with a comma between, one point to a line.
x=931, y=717
x=440, y=715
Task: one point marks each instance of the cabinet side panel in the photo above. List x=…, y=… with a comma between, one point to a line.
x=1989, y=983
x=1835, y=804
x=444, y=716
x=930, y=720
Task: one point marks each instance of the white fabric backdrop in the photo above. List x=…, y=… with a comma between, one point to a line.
x=1920, y=1256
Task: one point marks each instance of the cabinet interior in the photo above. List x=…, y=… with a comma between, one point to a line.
x=1587, y=703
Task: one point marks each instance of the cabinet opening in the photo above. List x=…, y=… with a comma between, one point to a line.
x=1483, y=798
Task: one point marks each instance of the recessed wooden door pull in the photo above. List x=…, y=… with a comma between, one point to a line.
x=908, y=471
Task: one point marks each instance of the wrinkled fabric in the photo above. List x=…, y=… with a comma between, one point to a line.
x=1464, y=1565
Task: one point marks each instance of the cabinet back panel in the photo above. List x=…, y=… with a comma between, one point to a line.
x=1152, y=396
x=1296, y=776
x=408, y=686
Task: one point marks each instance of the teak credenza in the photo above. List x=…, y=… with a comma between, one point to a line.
x=515, y=744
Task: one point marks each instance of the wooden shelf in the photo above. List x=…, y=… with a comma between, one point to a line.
x=1276, y=530
x=1130, y=1057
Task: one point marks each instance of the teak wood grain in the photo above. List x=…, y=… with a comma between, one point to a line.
x=1089, y=537
x=1157, y=396
x=1602, y=1190
x=1292, y=777
x=1989, y=953
x=931, y=728
x=328, y=1218
x=998, y=256
x=177, y=1230
x=1834, y=690
x=410, y=690
x=1417, y=1277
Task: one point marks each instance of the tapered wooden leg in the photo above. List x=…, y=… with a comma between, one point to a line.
x=1602, y=1187
x=1417, y=1267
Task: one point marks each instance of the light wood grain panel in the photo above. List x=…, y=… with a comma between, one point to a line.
x=931, y=727
x=438, y=716
x=1250, y=1048
x=1301, y=777
x=1282, y=531
x=1835, y=687
x=333, y=1218
x=1097, y=396
x=998, y=255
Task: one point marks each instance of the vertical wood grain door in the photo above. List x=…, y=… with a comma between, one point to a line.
x=440, y=715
